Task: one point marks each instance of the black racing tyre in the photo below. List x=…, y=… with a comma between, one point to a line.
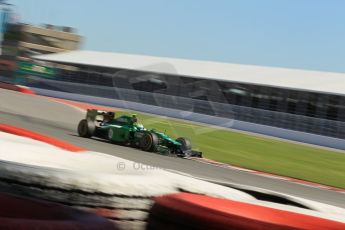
x=186, y=144
x=149, y=142
x=86, y=128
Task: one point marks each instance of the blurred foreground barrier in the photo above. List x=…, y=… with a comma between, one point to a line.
x=22, y=213
x=113, y=187
x=191, y=211
x=124, y=191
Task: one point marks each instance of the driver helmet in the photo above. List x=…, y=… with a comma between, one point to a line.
x=109, y=116
x=134, y=118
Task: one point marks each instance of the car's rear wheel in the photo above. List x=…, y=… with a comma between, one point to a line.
x=149, y=142
x=86, y=128
x=185, y=143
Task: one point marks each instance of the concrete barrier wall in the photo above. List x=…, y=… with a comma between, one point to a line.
x=203, y=118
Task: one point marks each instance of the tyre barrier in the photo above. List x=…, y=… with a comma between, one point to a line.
x=191, y=211
x=22, y=213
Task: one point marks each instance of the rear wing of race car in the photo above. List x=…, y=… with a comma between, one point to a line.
x=96, y=115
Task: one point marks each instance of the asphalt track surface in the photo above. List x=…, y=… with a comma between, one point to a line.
x=58, y=120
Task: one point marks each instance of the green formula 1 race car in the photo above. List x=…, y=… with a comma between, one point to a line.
x=125, y=130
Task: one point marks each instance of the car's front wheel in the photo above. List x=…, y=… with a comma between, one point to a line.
x=185, y=143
